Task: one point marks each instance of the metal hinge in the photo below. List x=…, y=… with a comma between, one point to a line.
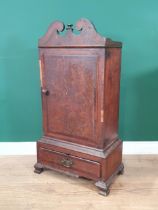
x=40, y=66
x=102, y=116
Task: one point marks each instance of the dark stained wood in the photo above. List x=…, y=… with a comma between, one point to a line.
x=73, y=147
x=76, y=105
x=72, y=164
x=80, y=79
x=111, y=94
x=87, y=37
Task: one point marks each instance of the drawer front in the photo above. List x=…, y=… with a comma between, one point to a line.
x=72, y=164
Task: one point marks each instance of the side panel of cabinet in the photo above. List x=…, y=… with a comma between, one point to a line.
x=75, y=81
x=112, y=90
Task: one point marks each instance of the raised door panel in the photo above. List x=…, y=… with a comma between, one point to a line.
x=71, y=108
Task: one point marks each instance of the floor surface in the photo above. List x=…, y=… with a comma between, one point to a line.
x=21, y=189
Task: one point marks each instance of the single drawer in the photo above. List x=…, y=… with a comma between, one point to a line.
x=72, y=164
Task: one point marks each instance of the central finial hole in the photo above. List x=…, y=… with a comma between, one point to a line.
x=69, y=27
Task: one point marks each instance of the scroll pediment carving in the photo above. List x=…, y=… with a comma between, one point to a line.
x=86, y=36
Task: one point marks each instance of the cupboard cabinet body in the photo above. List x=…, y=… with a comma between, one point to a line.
x=80, y=79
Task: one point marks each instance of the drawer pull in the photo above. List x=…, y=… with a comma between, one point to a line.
x=66, y=162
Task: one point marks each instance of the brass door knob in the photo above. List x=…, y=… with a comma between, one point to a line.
x=45, y=92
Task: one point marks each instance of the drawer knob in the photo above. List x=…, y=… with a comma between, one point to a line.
x=66, y=162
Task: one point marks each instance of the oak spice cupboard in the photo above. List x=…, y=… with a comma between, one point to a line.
x=80, y=82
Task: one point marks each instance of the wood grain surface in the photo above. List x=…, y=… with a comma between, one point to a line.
x=80, y=80
x=21, y=189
